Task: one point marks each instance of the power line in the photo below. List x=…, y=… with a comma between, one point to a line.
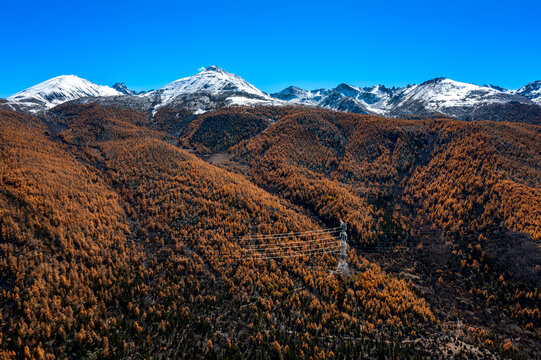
x=289, y=243
x=287, y=235
x=327, y=251
x=295, y=254
x=293, y=233
x=317, y=244
x=296, y=249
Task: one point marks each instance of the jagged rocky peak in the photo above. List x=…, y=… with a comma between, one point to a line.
x=297, y=95
x=382, y=89
x=496, y=87
x=121, y=87
x=437, y=80
x=347, y=90
x=531, y=91
x=290, y=92
x=214, y=68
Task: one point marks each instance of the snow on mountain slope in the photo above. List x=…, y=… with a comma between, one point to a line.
x=122, y=88
x=437, y=96
x=340, y=102
x=210, y=89
x=300, y=96
x=375, y=99
x=442, y=93
x=448, y=97
x=344, y=97
x=56, y=91
x=531, y=91
x=212, y=82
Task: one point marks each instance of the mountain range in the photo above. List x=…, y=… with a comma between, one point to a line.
x=440, y=95
x=213, y=88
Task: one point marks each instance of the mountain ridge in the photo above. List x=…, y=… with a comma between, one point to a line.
x=213, y=87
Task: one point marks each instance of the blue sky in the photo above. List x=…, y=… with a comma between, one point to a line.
x=272, y=44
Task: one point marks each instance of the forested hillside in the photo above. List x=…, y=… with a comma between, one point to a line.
x=123, y=235
x=478, y=185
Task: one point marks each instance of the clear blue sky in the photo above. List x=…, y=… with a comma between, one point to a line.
x=272, y=44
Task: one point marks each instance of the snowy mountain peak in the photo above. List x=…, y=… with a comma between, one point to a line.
x=213, y=81
x=345, y=86
x=498, y=88
x=214, y=68
x=531, y=91
x=300, y=96
x=435, y=81
x=443, y=82
x=290, y=93
x=56, y=91
x=347, y=90
x=447, y=96
x=121, y=87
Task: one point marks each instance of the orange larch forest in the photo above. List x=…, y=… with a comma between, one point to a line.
x=121, y=235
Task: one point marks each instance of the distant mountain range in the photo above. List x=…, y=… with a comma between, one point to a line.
x=433, y=97
x=214, y=87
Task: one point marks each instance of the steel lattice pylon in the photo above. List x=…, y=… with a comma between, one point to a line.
x=343, y=266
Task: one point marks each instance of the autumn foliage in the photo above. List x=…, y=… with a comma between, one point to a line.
x=116, y=240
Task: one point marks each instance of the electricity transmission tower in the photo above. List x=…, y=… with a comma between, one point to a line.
x=342, y=266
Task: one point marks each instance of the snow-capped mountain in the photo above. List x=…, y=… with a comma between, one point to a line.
x=301, y=96
x=532, y=91
x=344, y=97
x=437, y=96
x=56, y=91
x=212, y=87
x=122, y=88
x=374, y=99
x=447, y=97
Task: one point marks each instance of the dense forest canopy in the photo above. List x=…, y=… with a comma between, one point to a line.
x=121, y=235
